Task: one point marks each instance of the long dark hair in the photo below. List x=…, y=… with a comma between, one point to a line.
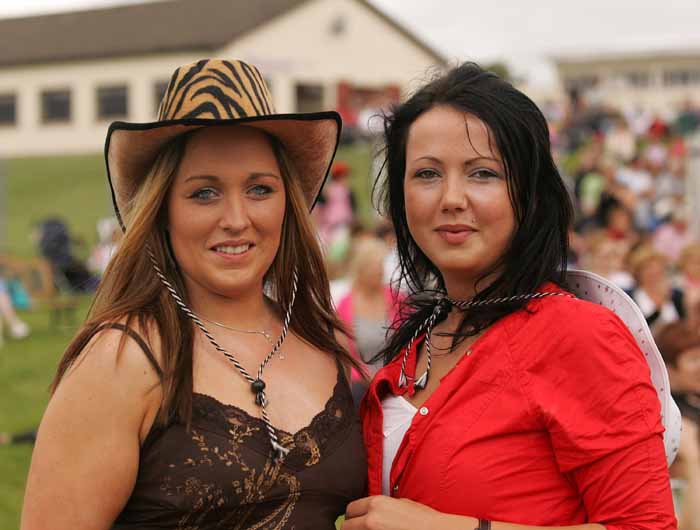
x=543, y=211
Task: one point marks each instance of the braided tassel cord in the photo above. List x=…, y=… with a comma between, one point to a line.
x=279, y=451
x=429, y=323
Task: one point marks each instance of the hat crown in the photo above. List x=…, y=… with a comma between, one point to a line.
x=216, y=89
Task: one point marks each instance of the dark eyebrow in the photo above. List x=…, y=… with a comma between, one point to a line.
x=256, y=175
x=473, y=161
x=469, y=162
x=210, y=178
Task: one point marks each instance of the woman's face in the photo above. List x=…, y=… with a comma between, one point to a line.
x=653, y=275
x=371, y=272
x=457, y=203
x=688, y=367
x=620, y=221
x=225, y=211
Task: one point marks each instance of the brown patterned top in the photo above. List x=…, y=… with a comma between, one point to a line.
x=220, y=474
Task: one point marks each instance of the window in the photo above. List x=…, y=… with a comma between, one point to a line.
x=309, y=98
x=55, y=106
x=681, y=77
x=637, y=79
x=582, y=82
x=112, y=102
x=159, y=89
x=8, y=109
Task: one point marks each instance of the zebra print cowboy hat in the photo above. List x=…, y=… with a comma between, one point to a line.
x=215, y=92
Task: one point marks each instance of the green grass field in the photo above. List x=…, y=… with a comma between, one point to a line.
x=26, y=370
x=75, y=189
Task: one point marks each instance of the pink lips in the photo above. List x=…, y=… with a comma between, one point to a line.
x=455, y=234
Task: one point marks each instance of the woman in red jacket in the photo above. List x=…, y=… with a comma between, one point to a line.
x=505, y=401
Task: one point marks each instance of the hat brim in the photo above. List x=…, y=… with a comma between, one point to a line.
x=310, y=141
x=593, y=288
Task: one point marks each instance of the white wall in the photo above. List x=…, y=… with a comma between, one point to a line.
x=84, y=133
x=301, y=48
x=656, y=97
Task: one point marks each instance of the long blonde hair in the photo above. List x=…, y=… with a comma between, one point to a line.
x=130, y=290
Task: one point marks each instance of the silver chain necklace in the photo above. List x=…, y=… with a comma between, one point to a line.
x=263, y=332
x=445, y=303
x=257, y=385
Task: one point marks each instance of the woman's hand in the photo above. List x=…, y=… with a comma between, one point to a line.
x=387, y=513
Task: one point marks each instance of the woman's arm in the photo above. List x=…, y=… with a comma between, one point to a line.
x=87, y=451
x=386, y=513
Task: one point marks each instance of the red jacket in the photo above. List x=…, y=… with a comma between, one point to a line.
x=552, y=420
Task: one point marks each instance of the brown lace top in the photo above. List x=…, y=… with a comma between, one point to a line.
x=220, y=473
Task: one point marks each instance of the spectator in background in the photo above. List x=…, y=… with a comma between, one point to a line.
x=56, y=245
x=368, y=308
x=638, y=180
x=606, y=257
x=688, y=281
x=679, y=344
x=688, y=119
x=620, y=142
x=669, y=187
x=672, y=237
x=109, y=234
x=16, y=328
x=336, y=212
x=659, y=301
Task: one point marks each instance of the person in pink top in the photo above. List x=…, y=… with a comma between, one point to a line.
x=368, y=308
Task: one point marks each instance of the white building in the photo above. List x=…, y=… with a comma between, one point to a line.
x=660, y=81
x=65, y=77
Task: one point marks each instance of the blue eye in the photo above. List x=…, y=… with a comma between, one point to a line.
x=203, y=194
x=260, y=190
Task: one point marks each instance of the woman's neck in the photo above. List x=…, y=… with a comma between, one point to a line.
x=248, y=312
x=462, y=286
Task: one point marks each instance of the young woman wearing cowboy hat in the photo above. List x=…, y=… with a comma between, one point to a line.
x=207, y=388
x=506, y=402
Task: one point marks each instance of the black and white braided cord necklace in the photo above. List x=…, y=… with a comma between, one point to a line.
x=444, y=305
x=257, y=385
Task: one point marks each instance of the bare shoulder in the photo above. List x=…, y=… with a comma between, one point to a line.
x=119, y=372
x=96, y=420
x=130, y=354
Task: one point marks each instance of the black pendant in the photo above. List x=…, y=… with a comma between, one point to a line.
x=257, y=386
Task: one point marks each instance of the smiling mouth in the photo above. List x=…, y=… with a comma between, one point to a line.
x=233, y=250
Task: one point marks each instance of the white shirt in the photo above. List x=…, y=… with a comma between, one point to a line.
x=398, y=415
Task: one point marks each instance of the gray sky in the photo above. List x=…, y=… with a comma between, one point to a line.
x=524, y=33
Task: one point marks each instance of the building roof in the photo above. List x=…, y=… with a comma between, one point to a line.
x=142, y=29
